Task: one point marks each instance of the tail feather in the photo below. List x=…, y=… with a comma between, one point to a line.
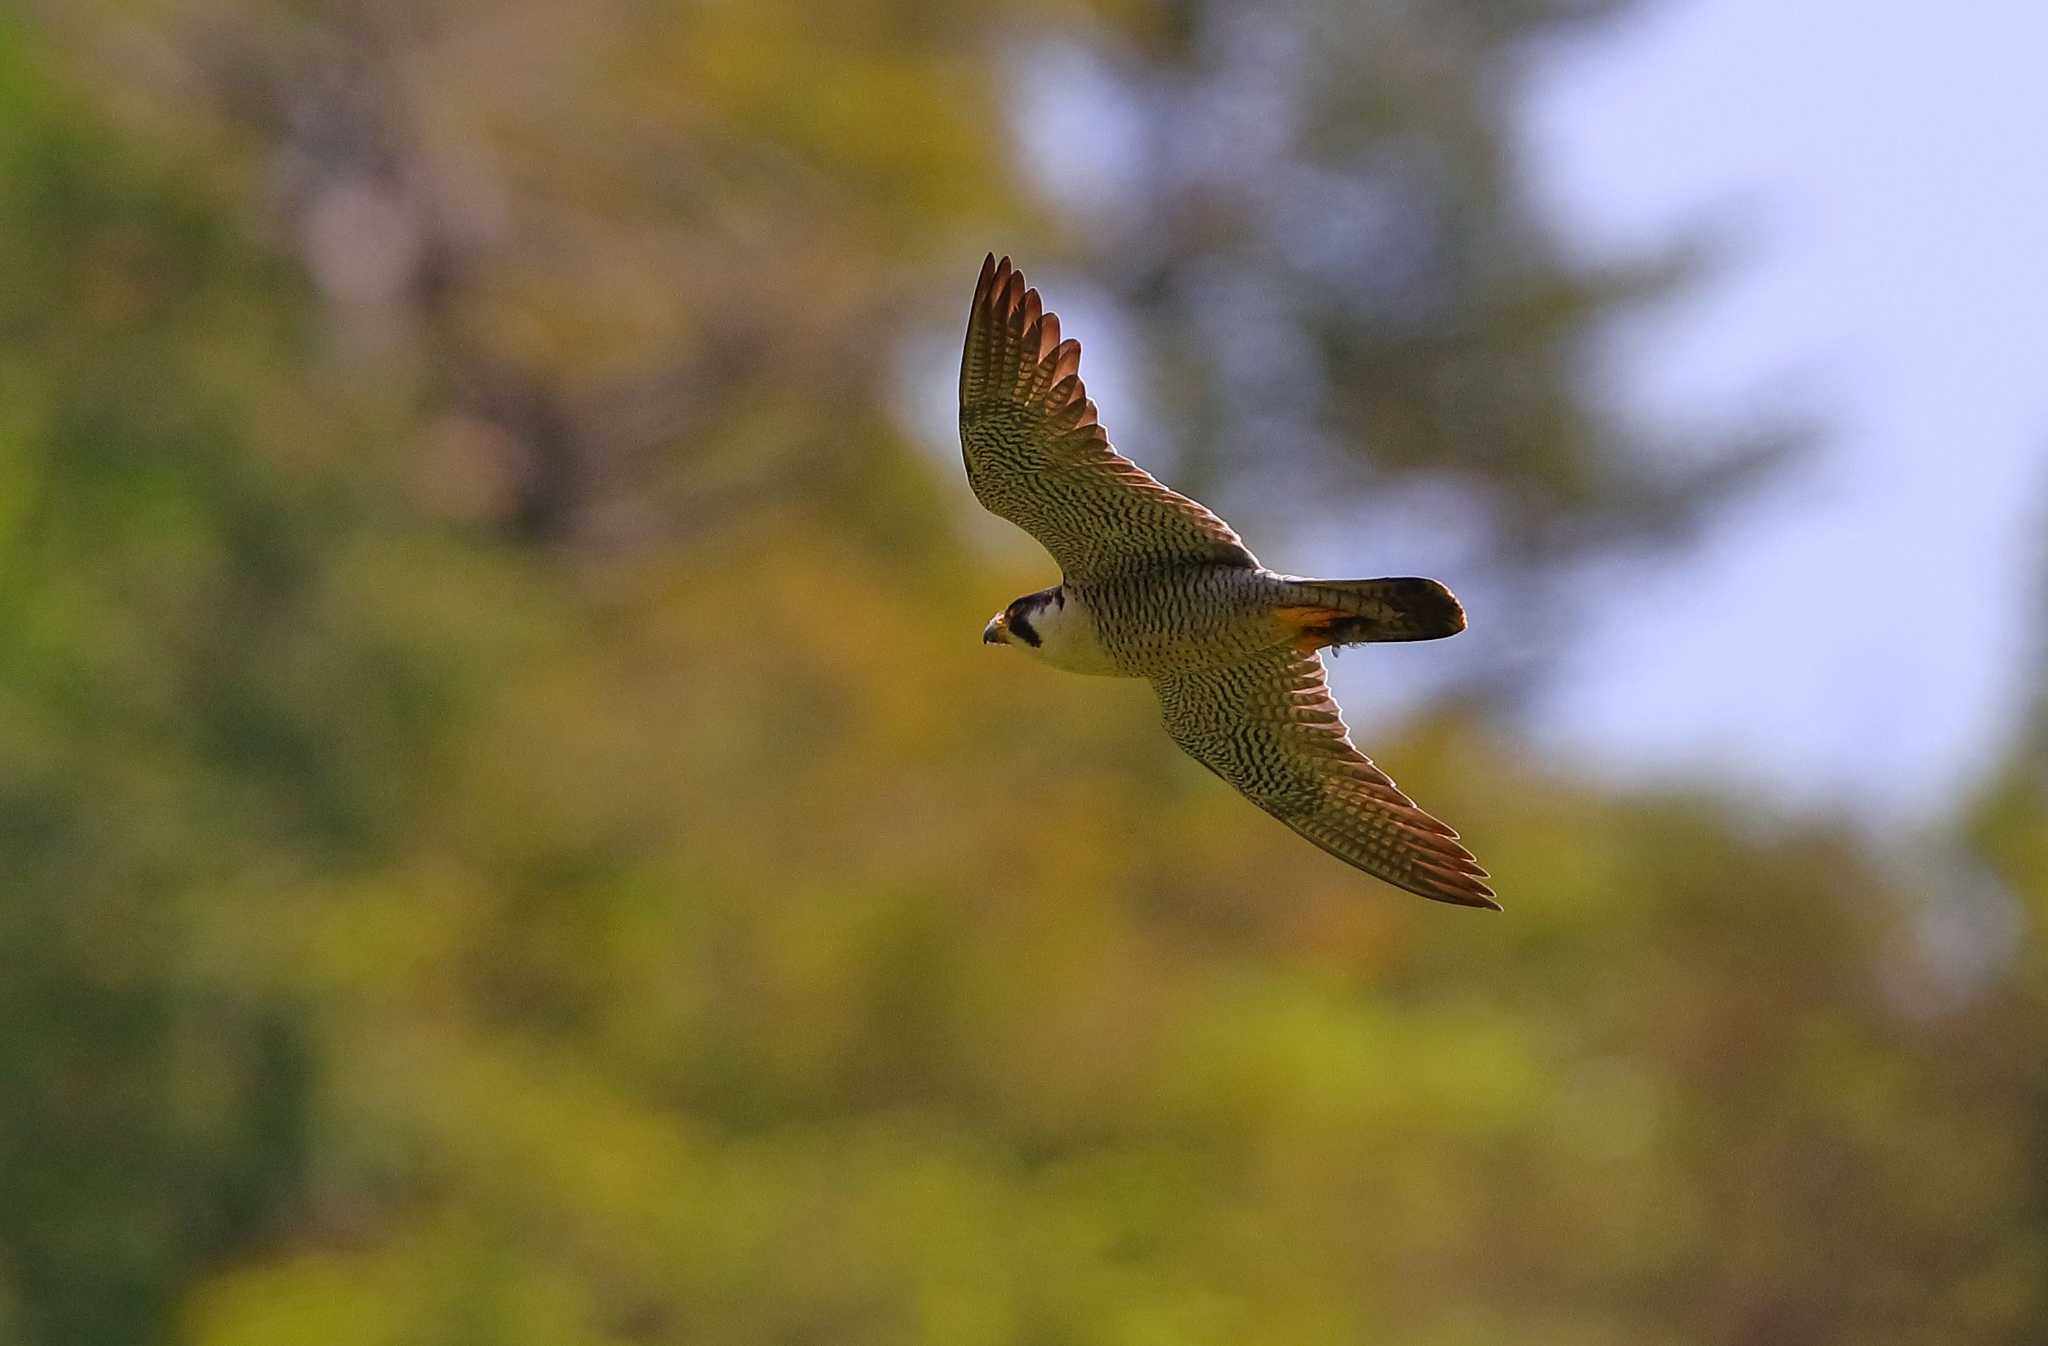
x=1321, y=613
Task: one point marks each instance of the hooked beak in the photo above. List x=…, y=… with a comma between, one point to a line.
x=997, y=632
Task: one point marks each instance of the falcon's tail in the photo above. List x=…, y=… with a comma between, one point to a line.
x=1316, y=613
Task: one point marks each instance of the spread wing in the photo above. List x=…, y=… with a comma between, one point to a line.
x=1037, y=456
x=1269, y=727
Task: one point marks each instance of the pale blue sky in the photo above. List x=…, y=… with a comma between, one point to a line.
x=1864, y=633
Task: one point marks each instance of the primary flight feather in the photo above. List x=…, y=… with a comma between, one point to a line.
x=1153, y=585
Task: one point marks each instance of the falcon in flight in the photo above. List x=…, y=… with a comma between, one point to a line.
x=1153, y=585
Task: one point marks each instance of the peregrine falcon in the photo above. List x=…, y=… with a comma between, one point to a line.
x=1153, y=585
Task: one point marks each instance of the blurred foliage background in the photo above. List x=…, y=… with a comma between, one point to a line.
x=509, y=834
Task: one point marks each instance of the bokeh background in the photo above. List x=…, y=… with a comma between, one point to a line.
x=509, y=833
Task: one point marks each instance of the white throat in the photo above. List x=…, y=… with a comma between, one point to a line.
x=1066, y=636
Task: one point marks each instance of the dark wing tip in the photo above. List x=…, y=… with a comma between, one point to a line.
x=1461, y=885
x=989, y=285
x=1019, y=338
x=1004, y=294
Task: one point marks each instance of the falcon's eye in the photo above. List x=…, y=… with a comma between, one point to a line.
x=1020, y=627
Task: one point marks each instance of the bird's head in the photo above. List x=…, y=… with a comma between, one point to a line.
x=1027, y=621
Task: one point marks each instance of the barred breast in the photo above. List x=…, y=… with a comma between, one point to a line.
x=1154, y=623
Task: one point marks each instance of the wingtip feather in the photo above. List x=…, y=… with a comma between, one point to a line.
x=1048, y=335
x=1459, y=888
